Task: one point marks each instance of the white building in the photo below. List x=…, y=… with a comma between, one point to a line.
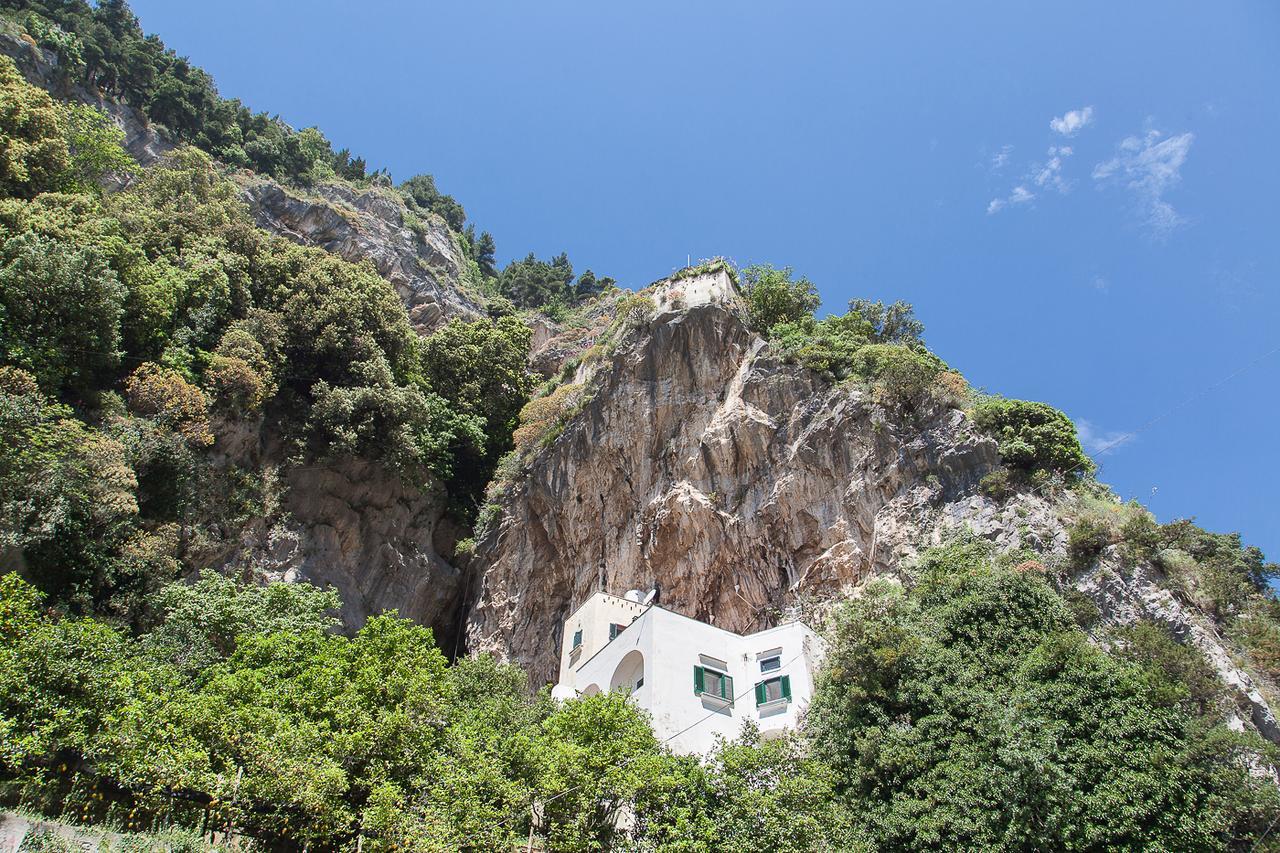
x=695, y=680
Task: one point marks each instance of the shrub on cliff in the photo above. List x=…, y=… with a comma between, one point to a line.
x=1033, y=437
x=773, y=297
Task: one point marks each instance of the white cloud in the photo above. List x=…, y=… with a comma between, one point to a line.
x=1049, y=174
x=1072, y=122
x=1001, y=159
x=1099, y=442
x=1149, y=167
x=1020, y=195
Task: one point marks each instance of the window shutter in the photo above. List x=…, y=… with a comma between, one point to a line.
x=760, y=697
x=699, y=680
x=786, y=687
x=726, y=688
x=577, y=638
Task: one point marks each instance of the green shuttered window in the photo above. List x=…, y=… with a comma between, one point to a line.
x=712, y=682
x=773, y=690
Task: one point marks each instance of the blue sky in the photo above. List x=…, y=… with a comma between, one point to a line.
x=1080, y=200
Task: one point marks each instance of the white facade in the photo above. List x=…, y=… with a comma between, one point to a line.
x=675, y=668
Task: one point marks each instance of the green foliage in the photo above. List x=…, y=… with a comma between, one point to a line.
x=1086, y=539
x=970, y=713
x=168, y=288
x=635, y=309
x=1177, y=675
x=589, y=749
x=1033, y=437
x=902, y=379
x=200, y=623
x=480, y=368
x=773, y=297
x=534, y=283
x=421, y=195
x=375, y=417
x=103, y=47
x=68, y=499
x=33, y=145
x=171, y=402
x=996, y=484
x=892, y=324
x=751, y=794
x=95, y=146
x=320, y=735
x=543, y=417
x=827, y=347
x=60, y=311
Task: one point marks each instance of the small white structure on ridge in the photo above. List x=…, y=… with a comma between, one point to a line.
x=696, y=681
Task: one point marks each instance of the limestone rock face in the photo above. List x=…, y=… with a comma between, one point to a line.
x=704, y=467
x=1124, y=595
x=355, y=526
x=424, y=264
x=346, y=522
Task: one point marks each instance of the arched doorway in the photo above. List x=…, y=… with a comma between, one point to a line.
x=629, y=676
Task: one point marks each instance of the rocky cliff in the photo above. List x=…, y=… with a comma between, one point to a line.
x=704, y=466
x=744, y=488
x=420, y=257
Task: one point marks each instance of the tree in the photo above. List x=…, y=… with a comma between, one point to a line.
x=95, y=145
x=774, y=298
x=589, y=761
x=534, y=283
x=60, y=311
x=484, y=252
x=67, y=498
x=420, y=191
x=480, y=368
x=895, y=324
x=970, y=713
x=201, y=622
x=373, y=416
x=172, y=402
x=33, y=147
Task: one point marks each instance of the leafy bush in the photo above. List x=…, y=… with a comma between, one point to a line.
x=1033, y=437
x=374, y=417
x=60, y=311
x=902, y=378
x=95, y=145
x=33, y=146
x=67, y=496
x=542, y=416
x=1178, y=675
x=1086, y=539
x=172, y=402
x=892, y=324
x=773, y=297
x=996, y=484
x=635, y=310
x=1260, y=635
x=421, y=194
